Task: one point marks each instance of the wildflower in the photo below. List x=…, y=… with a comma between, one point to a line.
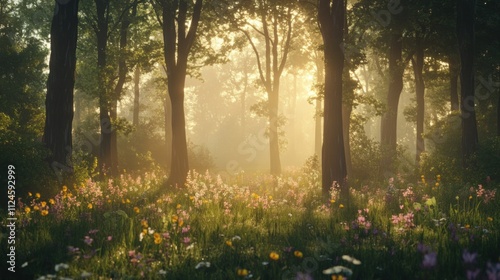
x=88, y=240
x=274, y=256
x=437, y=184
x=351, y=259
x=229, y=243
x=36, y=208
x=298, y=254
x=429, y=260
x=470, y=197
x=202, y=264
x=236, y=237
x=467, y=226
x=43, y=203
x=110, y=238
x=489, y=219
x=37, y=195
x=186, y=240
x=61, y=266
x=137, y=210
x=25, y=264
x=473, y=274
x=27, y=210
x=175, y=218
x=178, y=206
x=469, y=257
x=338, y=270
x=144, y=223
x=157, y=238
x=180, y=222
x=337, y=277
x=52, y=201
x=30, y=194
x=89, y=206
x=64, y=188
x=242, y=272
x=493, y=270
x=303, y=276
x=44, y=212
x=127, y=201
x=341, y=206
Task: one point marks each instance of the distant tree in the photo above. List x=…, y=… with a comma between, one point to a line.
x=60, y=85
x=331, y=21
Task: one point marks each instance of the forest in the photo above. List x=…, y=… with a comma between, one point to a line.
x=250, y=139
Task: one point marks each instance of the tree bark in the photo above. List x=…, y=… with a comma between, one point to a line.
x=418, y=65
x=331, y=21
x=320, y=79
x=465, y=35
x=60, y=85
x=137, y=79
x=388, y=135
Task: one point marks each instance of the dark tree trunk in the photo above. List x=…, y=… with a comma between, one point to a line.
x=454, y=72
x=177, y=42
x=346, y=128
x=465, y=35
x=60, y=85
x=137, y=79
x=273, y=98
x=167, y=109
x=105, y=161
x=331, y=21
x=418, y=65
x=388, y=136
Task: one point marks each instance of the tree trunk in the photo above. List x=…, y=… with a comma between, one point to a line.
x=179, y=165
x=418, y=65
x=331, y=20
x=320, y=79
x=137, y=79
x=454, y=71
x=346, y=131
x=167, y=109
x=465, y=35
x=388, y=135
x=273, y=130
x=60, y=85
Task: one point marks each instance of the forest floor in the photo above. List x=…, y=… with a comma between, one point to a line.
x=256, y=226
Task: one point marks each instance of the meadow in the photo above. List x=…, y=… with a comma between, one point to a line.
x=256, y=226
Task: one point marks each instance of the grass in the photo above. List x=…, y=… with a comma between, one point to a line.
x=257, y=227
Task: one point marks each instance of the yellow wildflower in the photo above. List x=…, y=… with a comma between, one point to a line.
x=437, y=184
x=178, y=206
x=44, y=203
x=37, y=195
x=137, y=210
x=470, y=197
x=229, y=243
x=144, y=223
x=180, y=223
x=36, y=208
x=332, y=201
x=157, y=238
x=274, y=256
x=30, y=194
x=341, y=206
x=64, y=189
x=337, y=277
x=90, y=206
x=298, y=254
x=242, y=272
x=128, y=200
x=45, y=212
x=52, y=201
x=175, y=218
x=490, y=219
x=467, y=226
x=27, y=210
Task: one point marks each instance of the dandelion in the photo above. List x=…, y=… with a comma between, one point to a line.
x=37, y=195
x=137, y=210
x=64, y=188
x=45, y=212
x=175, y=218
x=43, y=203
x=298, y=254
x=89, y=206
x=274, y=256
x=88, y=240
x=242, y=272
x=52, y=201
x=36, y=208
x=27, y=210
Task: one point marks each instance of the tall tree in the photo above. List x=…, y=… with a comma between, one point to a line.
x=275, y=25
x=465, y=35
x=179, y=21
x=60, y=85
x=331, y=15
